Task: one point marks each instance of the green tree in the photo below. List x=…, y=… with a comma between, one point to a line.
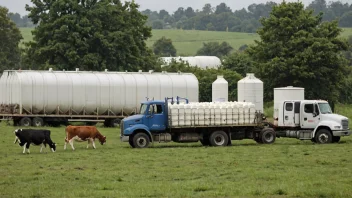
x=239, y=62
x=91, y=35
x=158, y=24
x=10, y=37
x=297, y=49
x=164, y=47
x=215, y=49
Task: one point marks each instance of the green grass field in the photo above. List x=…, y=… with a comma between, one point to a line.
x=287, y=168
x=188, y=42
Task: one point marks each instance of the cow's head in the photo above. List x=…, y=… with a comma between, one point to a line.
x=53, y=147
x=102, y=140
x=16, y=138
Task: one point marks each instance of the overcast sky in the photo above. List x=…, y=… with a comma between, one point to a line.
x=169, y=5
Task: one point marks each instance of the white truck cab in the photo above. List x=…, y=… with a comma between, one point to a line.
x=310, y=119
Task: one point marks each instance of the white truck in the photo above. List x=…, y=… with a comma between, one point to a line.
x=310, y=120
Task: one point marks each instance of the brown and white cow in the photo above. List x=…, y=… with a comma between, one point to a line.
x=83, y=133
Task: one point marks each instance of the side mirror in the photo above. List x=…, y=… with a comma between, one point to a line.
x=314, y=114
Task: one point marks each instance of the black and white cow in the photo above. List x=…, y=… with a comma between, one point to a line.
x=25, y=137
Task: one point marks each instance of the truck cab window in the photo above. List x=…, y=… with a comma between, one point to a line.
x=143, y=108
x=289, y=106
x=159, y=109
x=308, y=108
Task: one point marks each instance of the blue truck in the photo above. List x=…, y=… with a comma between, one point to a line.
x=166, y=121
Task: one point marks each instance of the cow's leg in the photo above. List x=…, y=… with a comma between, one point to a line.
x=27, y=146
x=41, y=147
x=71, y=142
x=88, y=142
x=16, y=139
x=93, y=143
x=24, y=147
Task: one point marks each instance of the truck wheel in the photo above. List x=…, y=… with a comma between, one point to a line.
x=268, y=136
x=323, y=136
x=38, y=122
x=130, y=141
x=141, y=140
x=258, y=140
x=26, y=121
x=218, y=138
x=336, y=139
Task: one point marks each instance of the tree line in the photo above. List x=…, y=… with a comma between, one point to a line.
x=222, y=18
x=296, y=47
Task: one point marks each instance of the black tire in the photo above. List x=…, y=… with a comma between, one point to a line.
x=218, y=138
x=141, y=140
x=258, y=140
x=130, y=141
x=107, y=123
x=336, y=139
x=38, y=122
x=323, y=136
x=267, y=136
x=25, y=122
x=313, y=140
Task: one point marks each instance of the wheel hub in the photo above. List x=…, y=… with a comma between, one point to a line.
x=219, y=140
x=323, y=138
x=141, y=142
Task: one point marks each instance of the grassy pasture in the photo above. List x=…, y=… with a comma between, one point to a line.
x=188, y=42
x=287, y=168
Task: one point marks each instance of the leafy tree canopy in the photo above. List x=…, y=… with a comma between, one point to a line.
x=10, y=37
x=89, y=34
x=297, y=49
x=164, y=47
x=239, y=62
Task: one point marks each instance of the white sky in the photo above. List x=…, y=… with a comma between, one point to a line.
x=169, y=5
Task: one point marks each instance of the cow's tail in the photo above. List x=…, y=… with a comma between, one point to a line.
x=66, y=131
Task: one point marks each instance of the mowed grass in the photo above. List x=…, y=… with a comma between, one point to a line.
x=188, y=42
x=287, y=168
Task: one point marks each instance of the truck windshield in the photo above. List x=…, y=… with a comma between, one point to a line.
x=324, y=108
x=143, y=108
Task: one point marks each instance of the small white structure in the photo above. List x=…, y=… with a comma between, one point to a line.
x=286, y=93
x=250, y=89
x=196, y=61
x=220, y=89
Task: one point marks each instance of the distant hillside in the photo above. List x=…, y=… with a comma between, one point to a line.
x=187, y=42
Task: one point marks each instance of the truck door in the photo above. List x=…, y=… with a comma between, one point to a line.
x=297, y=112
x=156, y=117
x=288, y=114
x=310, y=116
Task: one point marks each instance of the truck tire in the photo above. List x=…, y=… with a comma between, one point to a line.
x=130, y=141
x=141, y=140
x=267, y=136
x=219, y=138
x=38, y=122
x=26, y=121
x=336, y=139
x=323, y=136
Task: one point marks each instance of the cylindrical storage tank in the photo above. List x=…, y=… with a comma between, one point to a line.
x=250, y=89
x=220, y=89
x=90, y=93
x=286, y=93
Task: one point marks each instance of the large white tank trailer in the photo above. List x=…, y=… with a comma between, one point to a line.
x=218, y=122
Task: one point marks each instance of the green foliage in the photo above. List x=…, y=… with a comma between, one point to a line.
x=215, y=49
x=10, y=37
x=164, y=47
x=206, y=77
x=239, y=62
x=158, y=24
x=297, y=49
x=91, y=35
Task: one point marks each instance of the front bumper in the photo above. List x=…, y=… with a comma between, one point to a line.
x=124, y=138
x=341, y=133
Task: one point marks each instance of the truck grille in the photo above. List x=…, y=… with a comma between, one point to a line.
x=344, y=124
